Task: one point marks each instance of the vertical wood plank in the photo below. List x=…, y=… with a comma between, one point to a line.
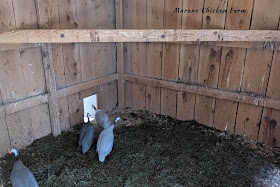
x=208, y=76
x=4, y=135
x=209, y=64
x=127, y=24
x=171, y=57
x=120, y=53
x=232, y=65
x=155, y=13
x=51, y=87
x=40, y=120
x=59, y=66
x=63, y=114
x=107, y=98
x=12, y=83
x=256, y=81
x=47, y=14
x=76, y=110
x=7, y=18
x=25, y=14
x=168, y=102
x=139, y=54
x=20, y=129
x=33, y=71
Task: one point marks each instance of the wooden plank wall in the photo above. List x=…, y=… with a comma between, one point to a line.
x=22, y=73
x=226, y=68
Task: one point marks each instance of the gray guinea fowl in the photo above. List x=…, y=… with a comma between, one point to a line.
x=86, y=136
x=102, y=118
x=105, y=141
x=21, y=176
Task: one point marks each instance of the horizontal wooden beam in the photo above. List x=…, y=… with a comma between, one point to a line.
x=24, y=104
x=129, y=35
x=205, y=91
x=5, y=47
x=247, y=45
x=86, y=85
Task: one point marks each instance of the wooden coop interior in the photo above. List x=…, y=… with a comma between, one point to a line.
x=219, y=69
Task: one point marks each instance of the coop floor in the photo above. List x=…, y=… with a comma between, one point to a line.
x=150, y=150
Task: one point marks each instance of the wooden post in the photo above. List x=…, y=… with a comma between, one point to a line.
x=120, y=54
x=51, y=87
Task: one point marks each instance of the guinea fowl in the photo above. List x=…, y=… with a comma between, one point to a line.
x=102, y=118
x=21, y=176
x=105, y=141
x=86, y=136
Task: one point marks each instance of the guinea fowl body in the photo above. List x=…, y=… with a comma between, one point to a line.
x=105, y=142
x=21, y=176
x=102, y=118
x=86, y=136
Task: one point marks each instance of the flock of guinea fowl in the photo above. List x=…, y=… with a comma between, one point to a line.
x=21, y=176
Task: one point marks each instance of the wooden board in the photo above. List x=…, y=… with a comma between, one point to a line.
x=127, y=47
x=256, y=81
x=209, y=63
x=168, y=102
x=11, y=78
x=136, y=35
x=139, y=53
x=33, y=71
x=25, y=14
x=248, y=121
x=59, y=66
x=4, y=135
x=232, y=66
x=247, y=98
x=269, y=130
x=207, y=76
x=76, y=110
x=108, y=97
x=40, y=119
x=47, y=14
x=138, y=96
x=20, y=129
x=84, y=15
x=170, y=59
x=189, y=60
x=153, y=99
x=100, y=49
x=64, y=119
x=7, y=18
x=185, y=106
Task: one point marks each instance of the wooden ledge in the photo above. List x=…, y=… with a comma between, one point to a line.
x=129, y=35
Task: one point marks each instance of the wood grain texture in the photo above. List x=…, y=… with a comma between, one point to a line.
x=64, y=119
x=47, y=14
x=4, y=135
x=20, y=129
x=25, y=14
x=51, y=88
x=138, y=96
x=206, y=91
x=232, y=67
x=256, y=81
x=7, y=17
x=153, y=99
x=108, y=96
x=209, y=64
x=168, y=102
x=185, y=106
x=40, y=119
x=11, y=78
x=33, y=71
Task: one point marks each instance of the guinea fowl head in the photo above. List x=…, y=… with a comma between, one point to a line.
x=12, y=150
